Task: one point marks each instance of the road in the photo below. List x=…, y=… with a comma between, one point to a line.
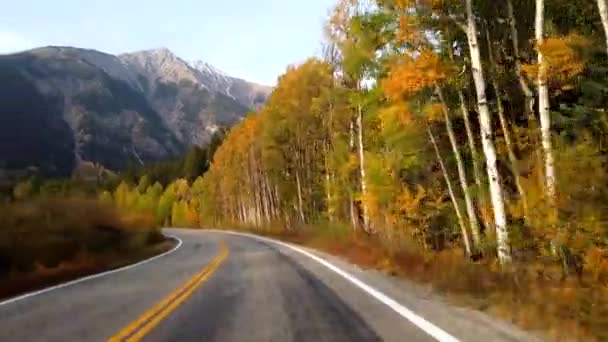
x=225, y=287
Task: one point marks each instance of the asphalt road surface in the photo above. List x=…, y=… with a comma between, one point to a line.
x=225, y=287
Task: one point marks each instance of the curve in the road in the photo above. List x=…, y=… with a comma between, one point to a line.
x=266, y=290
x=406, y=313
x=139, y=328
x=95, y=276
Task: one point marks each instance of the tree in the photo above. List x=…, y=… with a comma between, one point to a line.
x=144, y=183
x=603, y=9
x=485, y=123
x=165, y=205
x=543, y=105
x=413, y=75
x=195, y=163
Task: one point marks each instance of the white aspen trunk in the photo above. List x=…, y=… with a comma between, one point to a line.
x=265, y=199
x=351, y=204
x=277, y=201
x=300, y=201
x=510, y=152
x=328, y=147
x=477, y=168
x=477, y=171
x=543, y=105
x=485, y=123
x=505, y=130
x=462, y=175
x=255, y=188
x=528, y=93
x=270, y=198
x=351, y=207
x=243, y=211
x=361, y=151
x=603, y=8
x=459, y=216
x=329, y=199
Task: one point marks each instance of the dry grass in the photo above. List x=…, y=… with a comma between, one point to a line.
x=82, y=265
x=49, y=240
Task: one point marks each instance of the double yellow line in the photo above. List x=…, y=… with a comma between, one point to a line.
x=136, y=330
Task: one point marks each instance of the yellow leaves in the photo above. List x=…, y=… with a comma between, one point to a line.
x=409, y=31
x=410, y=4
x=371, y=203
x=562, y=59
x=395, y=114
x=413, y=74
x=191, y=217
x=405, y=4
x=434, y=112
x=596, y=262
x=408, y=201
x=351, y=165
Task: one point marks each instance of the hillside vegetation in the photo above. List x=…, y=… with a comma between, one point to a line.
x=51, y=239
x=461, y=142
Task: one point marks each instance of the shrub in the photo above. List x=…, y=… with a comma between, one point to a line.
x=50, y=231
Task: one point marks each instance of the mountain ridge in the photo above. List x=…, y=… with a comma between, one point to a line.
x=111, y=110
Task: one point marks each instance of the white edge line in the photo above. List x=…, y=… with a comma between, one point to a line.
x=406, y=313
x=94, y=276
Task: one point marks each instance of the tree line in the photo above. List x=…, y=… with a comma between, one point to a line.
x=467, y=124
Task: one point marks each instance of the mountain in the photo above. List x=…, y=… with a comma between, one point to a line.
x=251, y=94
x=61, y=107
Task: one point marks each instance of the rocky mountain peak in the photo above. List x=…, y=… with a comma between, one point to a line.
x=66, y=106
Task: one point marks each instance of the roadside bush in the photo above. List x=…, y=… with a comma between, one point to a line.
x=49, y=231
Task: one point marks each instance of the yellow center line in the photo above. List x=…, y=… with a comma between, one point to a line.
x=136, y=330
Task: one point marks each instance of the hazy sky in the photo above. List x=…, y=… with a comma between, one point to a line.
x=252, y=39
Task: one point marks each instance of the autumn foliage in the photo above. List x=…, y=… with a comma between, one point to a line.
x=419, y=120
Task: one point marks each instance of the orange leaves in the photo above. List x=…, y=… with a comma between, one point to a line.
x=405, y=4
x=562, y=58
x=596, y=262
x=396, y=114
x=413, y=74
x=410, y=202
x=409, y=31
x=410, y=4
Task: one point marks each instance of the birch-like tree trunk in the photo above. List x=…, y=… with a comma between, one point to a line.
x=329, y=204
x=361, y=152
x=525, y=87
x=327, y=149
x=485, y=123
x=477, y=172
x=300, y=201
x=505, y=128
x=543, y=105
x=446, y=176
x=351, y=199
x=462, y=175
x=477, y=167
x=603, y=8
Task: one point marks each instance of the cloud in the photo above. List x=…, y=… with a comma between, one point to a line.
x=14, y=42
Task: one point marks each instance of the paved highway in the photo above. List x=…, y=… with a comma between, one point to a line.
x=223, y=287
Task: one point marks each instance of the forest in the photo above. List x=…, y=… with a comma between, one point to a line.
x=437, y=129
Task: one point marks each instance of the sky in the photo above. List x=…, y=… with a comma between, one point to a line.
x=252, y=39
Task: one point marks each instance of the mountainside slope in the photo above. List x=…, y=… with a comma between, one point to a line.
x=61, y=106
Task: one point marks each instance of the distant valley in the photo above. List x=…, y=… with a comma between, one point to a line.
x=63, y=107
